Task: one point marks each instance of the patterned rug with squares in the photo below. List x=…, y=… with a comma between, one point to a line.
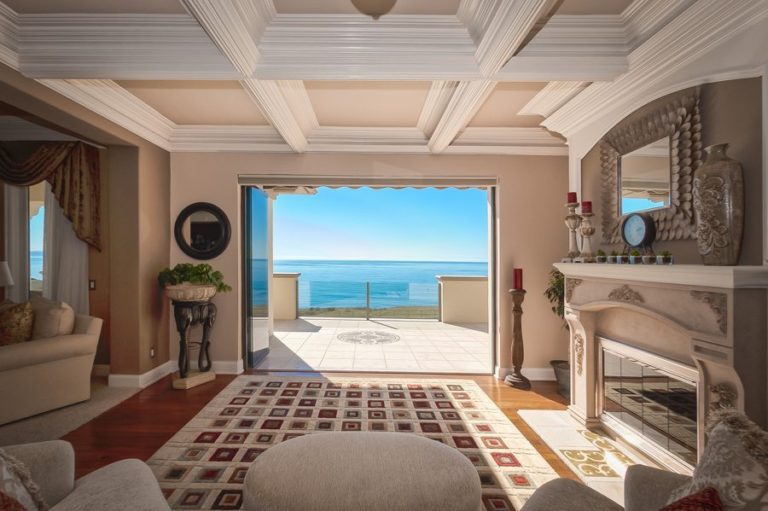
x=204, y=464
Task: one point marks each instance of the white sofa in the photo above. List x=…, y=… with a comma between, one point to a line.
x=44, y=374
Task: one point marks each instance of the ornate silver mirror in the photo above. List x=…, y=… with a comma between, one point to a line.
x=647, y=165
x=645, y=177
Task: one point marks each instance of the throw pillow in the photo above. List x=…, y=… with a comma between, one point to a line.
x=705, y=500
x=16, y=324
x=8, y=503
x=17, y=484
x=734, y=462
x=51, y=318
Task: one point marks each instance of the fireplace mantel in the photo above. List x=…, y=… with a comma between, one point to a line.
x=711, y=319
x=698, y=275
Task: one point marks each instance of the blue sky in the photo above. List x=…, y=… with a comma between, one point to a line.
x=383, y=224
x=36, y=231
x=629, y=205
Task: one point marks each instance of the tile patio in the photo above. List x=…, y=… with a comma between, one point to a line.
x=311, y=344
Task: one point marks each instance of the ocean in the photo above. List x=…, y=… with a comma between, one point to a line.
x=342, y=284
x=36, y=264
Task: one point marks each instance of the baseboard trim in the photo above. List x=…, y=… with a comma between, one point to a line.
x=217, y=366
x=532, y=373
x=100, y=370
x=141, y=380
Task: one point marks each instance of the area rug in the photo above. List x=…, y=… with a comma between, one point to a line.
x=57, y=423
x=204, y=464
x=595, y=458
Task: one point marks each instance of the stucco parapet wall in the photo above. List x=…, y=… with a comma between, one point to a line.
x=448, y=278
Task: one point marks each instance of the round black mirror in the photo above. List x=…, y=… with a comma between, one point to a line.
x=202, y=230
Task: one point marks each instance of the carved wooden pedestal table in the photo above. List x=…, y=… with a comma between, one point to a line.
x=188, y=314
x=516, y=378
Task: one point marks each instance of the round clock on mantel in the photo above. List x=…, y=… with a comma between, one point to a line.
x=638, y=230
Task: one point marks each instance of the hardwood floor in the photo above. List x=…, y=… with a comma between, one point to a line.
x=140, y=425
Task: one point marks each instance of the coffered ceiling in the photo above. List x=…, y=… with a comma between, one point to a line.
x=432, y=76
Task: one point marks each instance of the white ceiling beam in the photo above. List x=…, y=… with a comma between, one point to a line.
x=510, y=24
x=368, y=140
x=437, y=99
x=118, y=46
x=643, y=18
x=295, y=94
x=340, y=47
x=236, y=28
x=551, y=97
x=204, y=138
x=508, y=141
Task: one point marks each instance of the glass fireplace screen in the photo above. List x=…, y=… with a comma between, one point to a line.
x=656, y=405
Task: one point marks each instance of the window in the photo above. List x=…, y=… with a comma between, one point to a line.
x=36, y=236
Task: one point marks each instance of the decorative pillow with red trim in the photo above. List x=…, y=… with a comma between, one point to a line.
x=8, y=503
x=706, y=500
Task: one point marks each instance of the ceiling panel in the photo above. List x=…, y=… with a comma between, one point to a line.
x=346, y=7
x=367, y=104
x=506, y=100
x=593, y=6
x=96, y=6
x=198, y=102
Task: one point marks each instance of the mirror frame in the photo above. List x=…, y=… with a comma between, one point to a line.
x=678, y=118
x=178, y=231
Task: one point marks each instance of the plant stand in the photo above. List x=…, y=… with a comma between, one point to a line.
x=188, y=314
x=516, y=378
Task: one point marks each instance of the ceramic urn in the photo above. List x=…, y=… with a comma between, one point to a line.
x=718, y=204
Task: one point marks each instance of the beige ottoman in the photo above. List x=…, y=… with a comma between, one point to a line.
x=352, y=471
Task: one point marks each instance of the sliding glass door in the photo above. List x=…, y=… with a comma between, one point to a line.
x=257, y=261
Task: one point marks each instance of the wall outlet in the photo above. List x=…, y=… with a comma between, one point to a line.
x=151, y=352
x=92, y=285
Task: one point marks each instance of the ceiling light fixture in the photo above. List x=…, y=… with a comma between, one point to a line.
x=374, y=8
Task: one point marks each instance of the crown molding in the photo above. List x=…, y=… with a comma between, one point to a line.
x=116, y=104
x=643, y=18
x=295, y=94
x=476, y=16
x=551, y=97
x=437, y=99
x=9, y=36
x=508, y=141
x=367, y=140
x=118, y=46
x=235, y=27
x=350, y=46
x=206, y=138
x=698, y=29
x=461, y=108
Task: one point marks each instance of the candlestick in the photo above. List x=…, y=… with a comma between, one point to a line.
x=516, y=378
x=587, y=231
x=517, y=278
x=586, y=207
x=572, y=197
x=572, y=221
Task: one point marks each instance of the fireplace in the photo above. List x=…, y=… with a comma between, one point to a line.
x=651, y=397
x=655, y=349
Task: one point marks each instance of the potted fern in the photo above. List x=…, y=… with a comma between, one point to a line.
x=188, y=282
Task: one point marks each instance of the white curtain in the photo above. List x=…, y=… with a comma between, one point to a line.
x=65, y=258
x=17, y=241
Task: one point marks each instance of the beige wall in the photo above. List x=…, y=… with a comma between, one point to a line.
x=529, y=221
x=138, y=233
x=730, y=112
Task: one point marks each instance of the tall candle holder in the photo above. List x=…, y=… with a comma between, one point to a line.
x=573, y=222
x=587, y=231
x=516, y=378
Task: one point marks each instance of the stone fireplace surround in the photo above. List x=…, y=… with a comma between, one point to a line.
x=707, y=319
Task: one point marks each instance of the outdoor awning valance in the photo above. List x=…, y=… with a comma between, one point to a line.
x=271, y=181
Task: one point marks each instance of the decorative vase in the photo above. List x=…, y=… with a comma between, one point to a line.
x=718, y=205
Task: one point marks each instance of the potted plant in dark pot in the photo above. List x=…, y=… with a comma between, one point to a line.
x=664, y=258
x=614, y=257
x=601, y=257
x=555, y=293
x=649, y=259
x=635, y=257
x=188, y=282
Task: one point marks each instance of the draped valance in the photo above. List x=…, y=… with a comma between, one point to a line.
x=72, y=169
